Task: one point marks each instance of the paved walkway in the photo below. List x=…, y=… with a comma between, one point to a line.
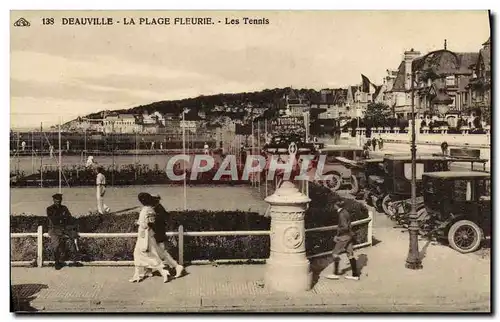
x=449, y=282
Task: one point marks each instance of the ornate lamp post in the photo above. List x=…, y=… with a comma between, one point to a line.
x=413, y=260
x=287, y=269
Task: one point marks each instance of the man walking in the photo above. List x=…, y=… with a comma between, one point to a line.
x=61, y=226
x=100, y=191
x=343, y=242
x=159, y=229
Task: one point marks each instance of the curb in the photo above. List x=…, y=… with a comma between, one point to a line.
x=274, y=303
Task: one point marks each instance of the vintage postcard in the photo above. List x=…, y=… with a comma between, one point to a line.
x=250, y=161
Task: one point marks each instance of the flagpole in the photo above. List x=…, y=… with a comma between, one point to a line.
x=41, y=154
x=60, y=158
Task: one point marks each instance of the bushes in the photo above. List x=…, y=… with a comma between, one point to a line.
x=320, y=213
x=130, y=174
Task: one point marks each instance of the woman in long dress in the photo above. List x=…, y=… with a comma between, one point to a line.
x=146, y=252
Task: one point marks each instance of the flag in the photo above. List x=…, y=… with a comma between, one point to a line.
x=367, y=86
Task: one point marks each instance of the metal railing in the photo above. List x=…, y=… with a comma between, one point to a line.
x=180, y=233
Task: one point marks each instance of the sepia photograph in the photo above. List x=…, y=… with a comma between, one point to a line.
x=239, y=161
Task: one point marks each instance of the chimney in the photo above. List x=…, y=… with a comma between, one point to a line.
x=409, y=56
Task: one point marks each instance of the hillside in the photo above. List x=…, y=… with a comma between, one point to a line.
x=268, y=98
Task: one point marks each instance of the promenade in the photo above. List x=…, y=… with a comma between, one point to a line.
x=449, y=282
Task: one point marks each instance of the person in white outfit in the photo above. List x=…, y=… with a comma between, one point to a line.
x=90, y=161
x=146, y=251
x=205, y=148
x=101, y=190
x=23, y=145
x=51, y=151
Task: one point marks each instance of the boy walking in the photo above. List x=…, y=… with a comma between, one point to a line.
x=343, y=242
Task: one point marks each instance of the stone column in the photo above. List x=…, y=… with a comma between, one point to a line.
x=287, y=269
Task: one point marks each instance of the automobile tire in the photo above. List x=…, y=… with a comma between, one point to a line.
x=465, y=236
x=386, y=206
x=334, y=183
x=354, y=185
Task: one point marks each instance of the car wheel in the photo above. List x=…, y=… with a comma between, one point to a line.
x=354, y=185
x=334, y=182
x=465, y=236
x=387, y=207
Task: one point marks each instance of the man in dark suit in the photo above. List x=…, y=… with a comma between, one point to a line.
x=343, y=242
x=163, y=220
x=61, y=226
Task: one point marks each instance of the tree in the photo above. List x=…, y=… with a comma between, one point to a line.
x=377, y=114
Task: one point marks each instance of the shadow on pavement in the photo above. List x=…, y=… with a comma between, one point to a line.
x=318, y=265
x=21, y=296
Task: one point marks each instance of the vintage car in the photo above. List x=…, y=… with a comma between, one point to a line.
x=361, y=171
x=458, y=204
x=392, y=192
x=339, y=173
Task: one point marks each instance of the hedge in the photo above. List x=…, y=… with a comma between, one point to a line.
x=320, y=213
x=123, y=175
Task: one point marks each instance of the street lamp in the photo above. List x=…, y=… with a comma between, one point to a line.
x=413, y=260
x=184, y=153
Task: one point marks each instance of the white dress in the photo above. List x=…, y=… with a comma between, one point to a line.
x=146, y=252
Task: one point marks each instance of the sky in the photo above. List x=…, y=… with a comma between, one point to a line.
x=59, y=72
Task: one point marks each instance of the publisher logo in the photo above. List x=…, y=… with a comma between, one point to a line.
x=21, y=22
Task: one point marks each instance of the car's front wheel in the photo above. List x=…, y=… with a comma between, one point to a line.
x=334, y=182
x=465, y=236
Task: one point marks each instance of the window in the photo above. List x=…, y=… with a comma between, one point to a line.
x=462, y=190
x=419, y=172
x=484, y=188
x=450, y=81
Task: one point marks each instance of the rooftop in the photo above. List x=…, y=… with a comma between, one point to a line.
x=458, y=174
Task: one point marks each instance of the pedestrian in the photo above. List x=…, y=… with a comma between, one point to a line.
x=343, y=242
x=161, y=222
x=100, y=191
x=205, y=148
x=23, y=145
x=67, y=145
x=161, y=145
x=380, y=143
x=90, y=161
x=444, y=148
x=153, y=145
x=374, y=143
x=61, y=227
x=366, y=151
x=146, y=251
x=51, y=151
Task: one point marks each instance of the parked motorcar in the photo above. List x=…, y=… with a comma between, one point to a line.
x=339, y=173
x=361, y=171
x=458, y=204
x=391, y=193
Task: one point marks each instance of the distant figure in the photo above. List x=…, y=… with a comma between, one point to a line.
x=90, y=161
x=101, y=190
x=380, y=143
x=374, y=143
x=67, y=145
x=205, y=148
x=161, y=145
x=51, y=151
x=153, y=145
x=444, y=148
x=366, y=150
x=61, y=226
x=23, y=145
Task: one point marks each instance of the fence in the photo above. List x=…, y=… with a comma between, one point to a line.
x=181, y=234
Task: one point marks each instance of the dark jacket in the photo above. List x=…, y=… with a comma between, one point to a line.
x=159, y=225
x=344, y=226
x=60, y=221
